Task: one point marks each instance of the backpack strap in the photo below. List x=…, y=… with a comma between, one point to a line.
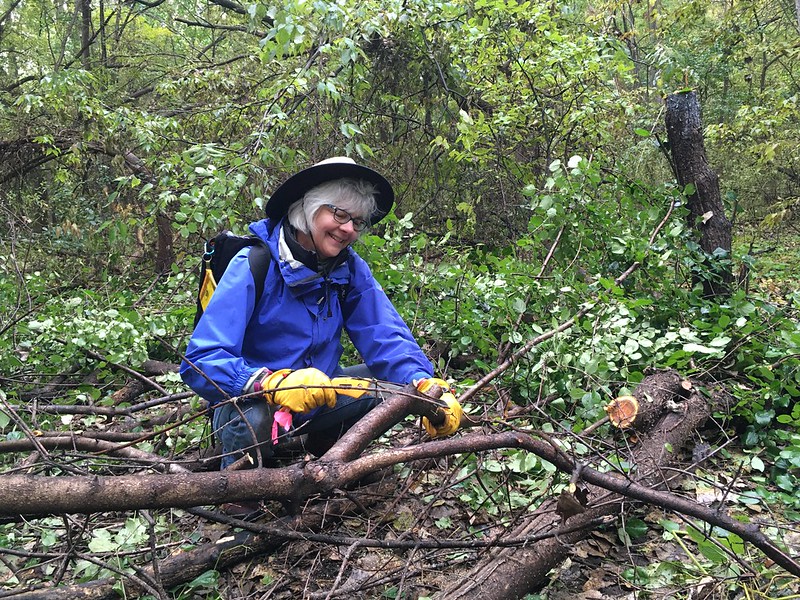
x=258, y=260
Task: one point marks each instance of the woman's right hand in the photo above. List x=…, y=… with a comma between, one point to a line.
x=300, y=391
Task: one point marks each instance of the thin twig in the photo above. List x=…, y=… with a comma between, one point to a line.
x=551, y=251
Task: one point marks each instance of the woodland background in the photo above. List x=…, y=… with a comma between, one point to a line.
x=527, y=145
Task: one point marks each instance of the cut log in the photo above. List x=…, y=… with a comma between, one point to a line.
x=622, y=411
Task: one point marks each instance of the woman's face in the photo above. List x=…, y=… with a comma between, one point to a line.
x=329, y=235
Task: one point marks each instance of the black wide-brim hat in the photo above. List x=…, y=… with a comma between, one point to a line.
x=337, y=167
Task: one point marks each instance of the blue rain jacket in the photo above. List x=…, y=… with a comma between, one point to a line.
x=298, y=323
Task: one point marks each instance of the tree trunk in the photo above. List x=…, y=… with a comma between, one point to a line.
x=165, y=255
x=797, y=11
x=706, y=211
x=86, y=32
x=103, y=38
x=166, y=252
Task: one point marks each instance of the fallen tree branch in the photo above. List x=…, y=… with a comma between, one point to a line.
x=35, y=495
x=132, y=372
x=24, y=494
x=81, y=443
x=110, y=411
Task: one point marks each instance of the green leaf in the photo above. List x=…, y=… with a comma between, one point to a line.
x=734, y=543
x=102, y=541
x=670, y=527
x=4, y=418
x=764, y=417
x=636, y=528
x=694, y=347
x=712, y=552
x=720, y=341
x=207, y=579
x=444, y=522
x=785, y=482
x=518, y=305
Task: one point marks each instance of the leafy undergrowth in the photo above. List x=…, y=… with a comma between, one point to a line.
x=774, y=254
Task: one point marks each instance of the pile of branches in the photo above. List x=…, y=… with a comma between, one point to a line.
x=312, y=503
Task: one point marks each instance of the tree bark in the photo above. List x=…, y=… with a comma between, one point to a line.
x=706, y=211
x=797, y=11
x=166, y=253
x=86, y=33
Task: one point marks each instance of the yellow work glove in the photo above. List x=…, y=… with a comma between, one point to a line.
x=352, y=386
x=310, y=388
x=452, y=412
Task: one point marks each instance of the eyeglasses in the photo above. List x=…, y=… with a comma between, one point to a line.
x=340, y=215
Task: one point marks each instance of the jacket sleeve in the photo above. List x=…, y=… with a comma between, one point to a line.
x=214, y=367
x=378, y=332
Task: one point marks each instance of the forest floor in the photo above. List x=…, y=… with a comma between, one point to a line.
x=631, y=558
x=645, y=552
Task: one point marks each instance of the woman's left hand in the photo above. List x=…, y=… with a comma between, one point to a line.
x=452, y=410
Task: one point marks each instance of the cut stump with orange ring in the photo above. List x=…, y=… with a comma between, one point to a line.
x=622, y=411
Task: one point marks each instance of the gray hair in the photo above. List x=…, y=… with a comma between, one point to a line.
x=356, y=196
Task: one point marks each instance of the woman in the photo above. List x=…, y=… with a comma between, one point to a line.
x=286, y=349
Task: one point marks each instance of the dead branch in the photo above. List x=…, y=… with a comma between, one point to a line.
x=147, y=381
x=108, y=411
x=346, y=463
x=80, y=443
